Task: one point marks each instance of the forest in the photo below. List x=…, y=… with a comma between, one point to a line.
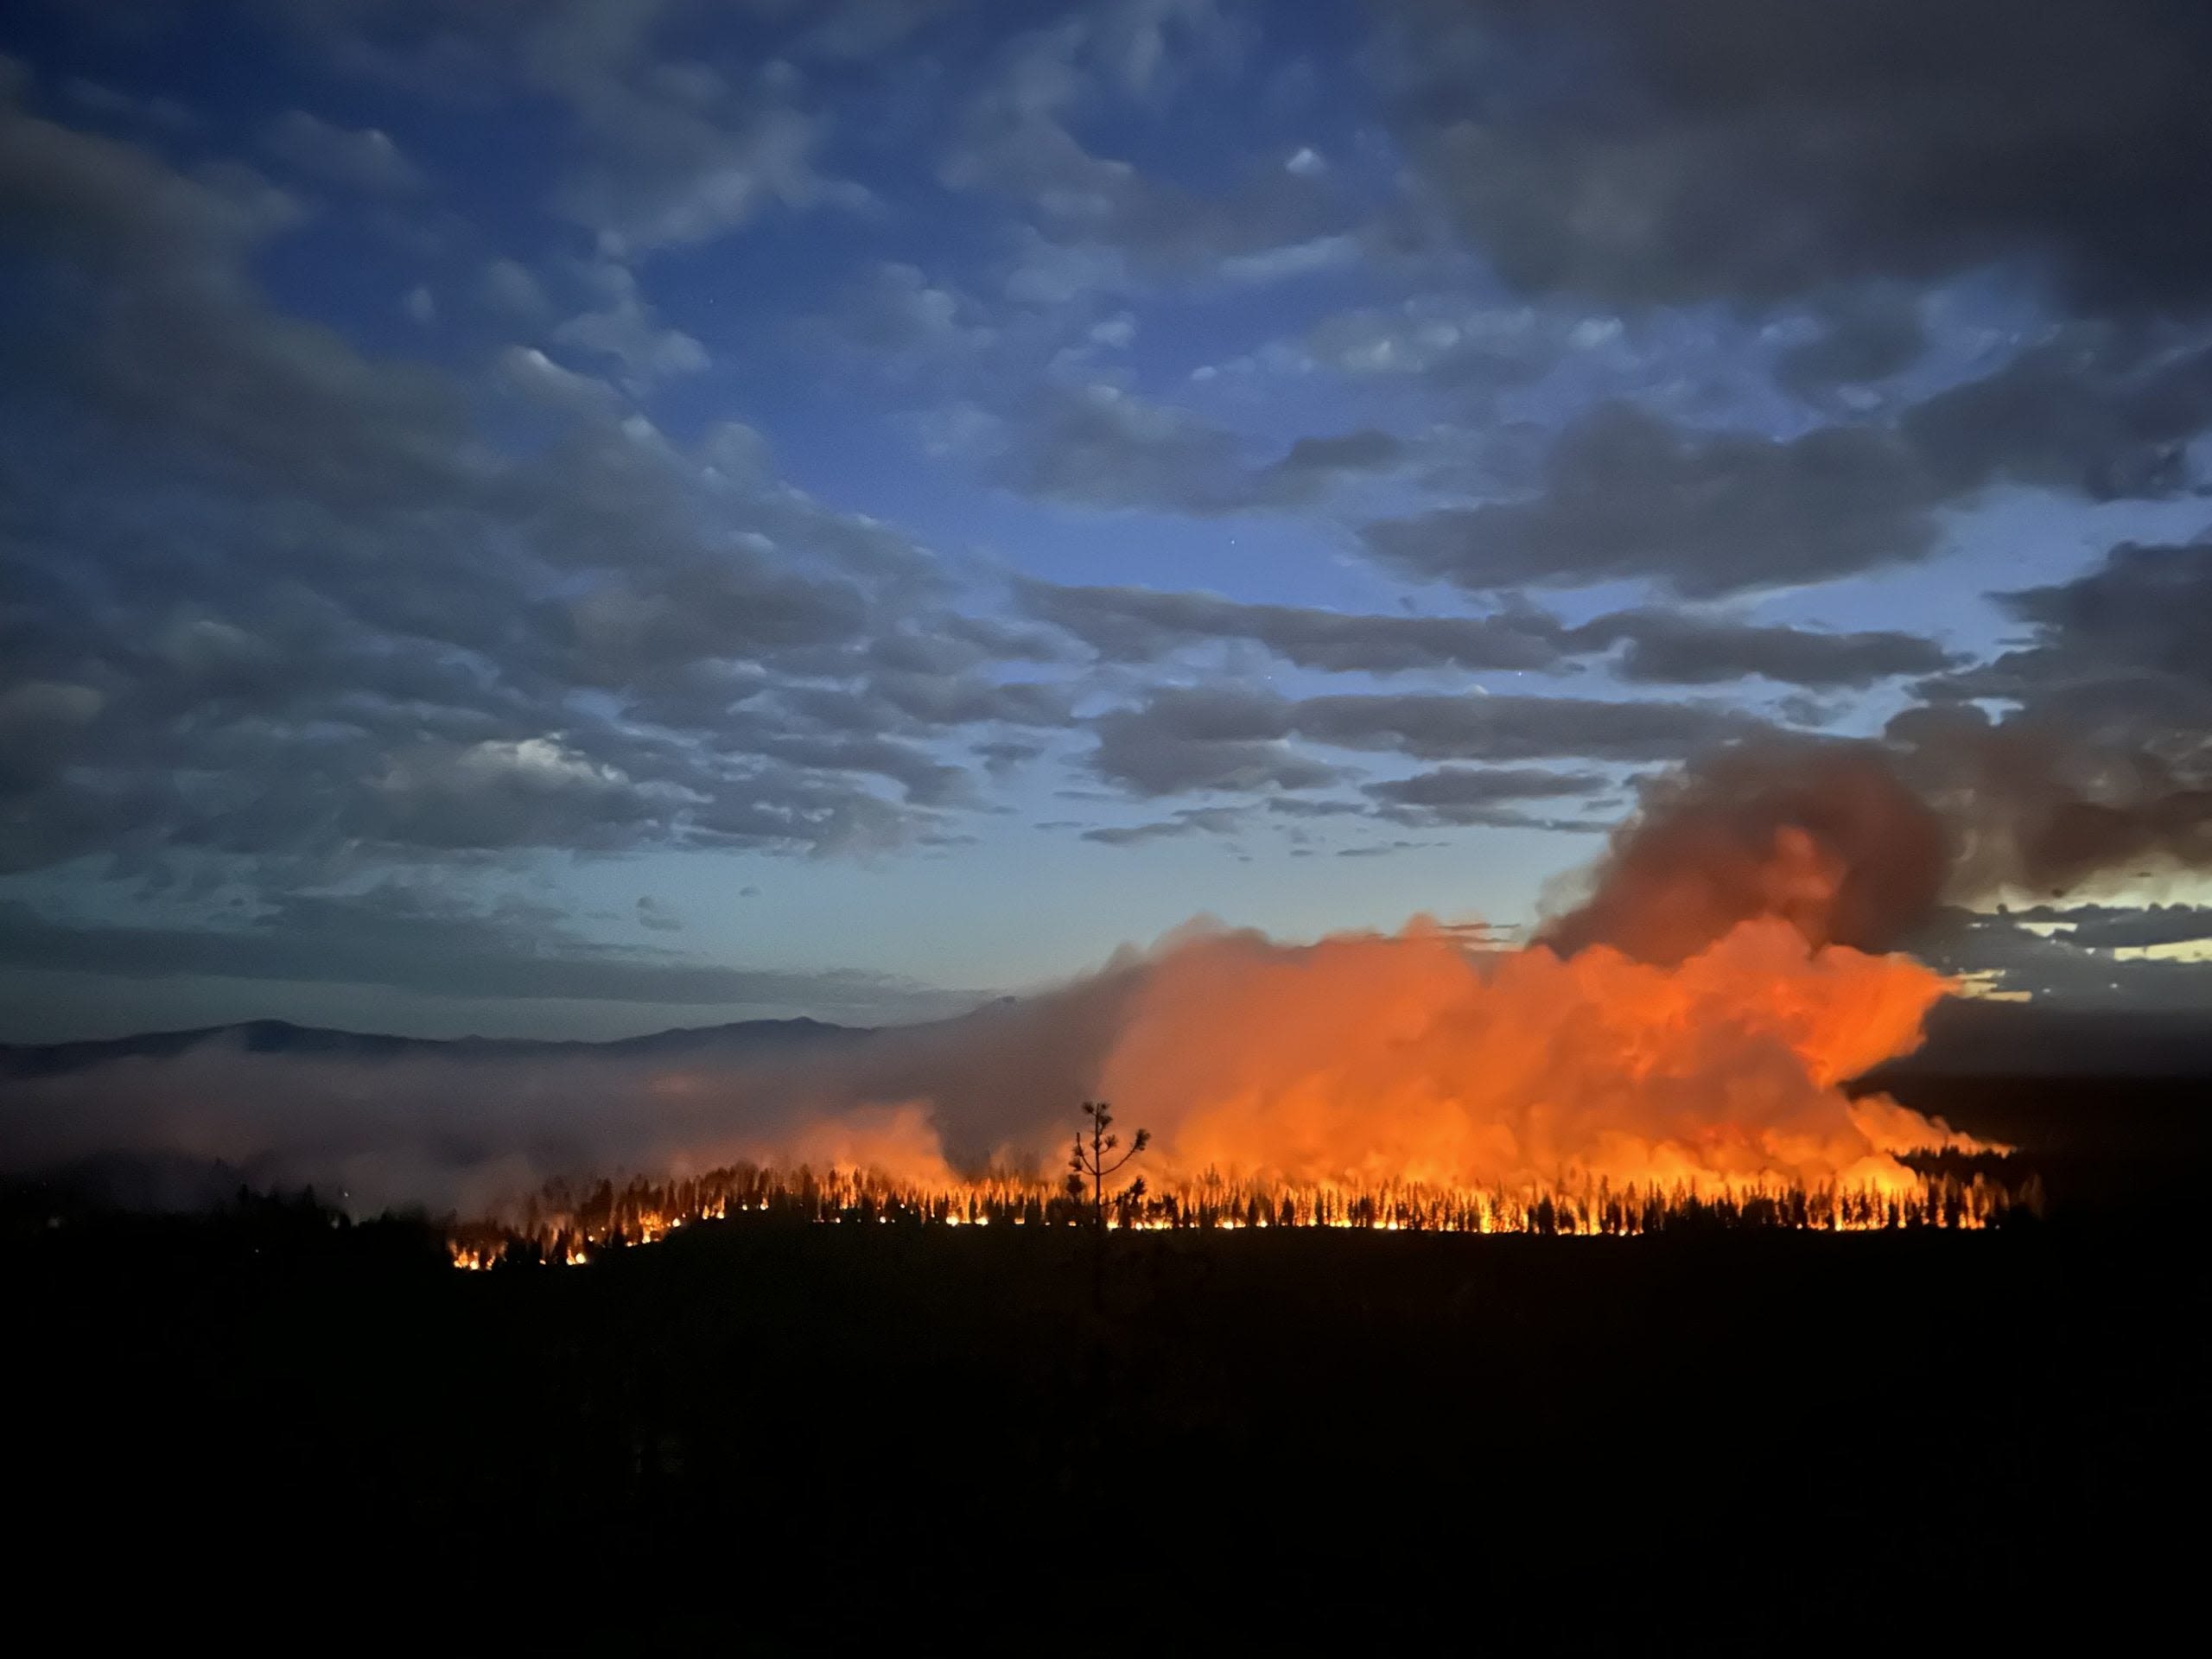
x=704, y=1440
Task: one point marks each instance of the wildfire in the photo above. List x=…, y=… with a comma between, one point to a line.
x=1404, y=1084
x=560, y=1228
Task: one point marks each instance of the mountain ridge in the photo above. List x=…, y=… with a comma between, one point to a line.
x=1966, y=1038
x=285, y=1038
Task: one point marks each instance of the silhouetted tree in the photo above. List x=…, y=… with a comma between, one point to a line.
x=1093, y=1162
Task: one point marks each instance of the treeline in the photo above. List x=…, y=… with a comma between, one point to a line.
x=569, y=1224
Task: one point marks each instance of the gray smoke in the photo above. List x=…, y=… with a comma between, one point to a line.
x=1858, y=843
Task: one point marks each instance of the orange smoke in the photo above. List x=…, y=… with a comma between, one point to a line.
x=1389, y=1082
x=1368, y=1059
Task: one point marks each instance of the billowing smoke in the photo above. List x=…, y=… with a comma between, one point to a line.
x=1690, y=1022
x=2037, y=807
x=1828, y=838
x=1856, y=843
x=1359, y=1061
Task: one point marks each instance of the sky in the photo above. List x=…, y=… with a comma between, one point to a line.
x=573, y=517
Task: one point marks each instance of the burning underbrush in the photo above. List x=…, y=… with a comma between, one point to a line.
x=562, y=1227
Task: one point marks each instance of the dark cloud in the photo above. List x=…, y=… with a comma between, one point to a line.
x=625, y=331
x=1681, y=648
x=2103, y=412
x=1865, y=335
x=2003, y=953
x=2142, y=607
x=2112, y=927
x=106, y=103
x=1349, y=455
x=1138, y=625
x=1742, y=150
x=1098, y=446
x=1450, y=342
x=394, y=937
x=663, y=150
x=1179, y=739
x=2123, y=650
x=367, y=161
x=899, y=314
x=316, y=609
x=1018, y=139
x=1625, y=494
x=1101, y=446
x=1461, y=796
x=1192, y=821
x=1504, y=729
x=1182, y=738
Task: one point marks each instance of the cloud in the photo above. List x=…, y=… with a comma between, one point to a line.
x=2125, y=648
x=1095, y=222
x=2064, y=967
x=1735, y=150
x=1188, y=738
x=1682, y=648
x=2115, y=927
x=1196, y=820
x=1449, y=341
x=1460, y=796
x=627, y=330
x=1140, y=625
x=534, y=792
x=1137, y=625
x=363, y=622
x=367, y=161
x=394, y=937
x=1435, y=727
x=1626, y=495
x=1180, y=738
x=2101, y=412
x=112, y=103
x=1098, y=446
x=1865, y=335
x=897, y=313
x=678, y=153
x=1101, y=446
x=508, y=286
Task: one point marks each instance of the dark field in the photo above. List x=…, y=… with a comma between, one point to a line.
x=838, y=1438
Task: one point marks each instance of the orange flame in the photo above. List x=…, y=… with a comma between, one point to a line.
x=1365, y=1059
x=1405, y=1083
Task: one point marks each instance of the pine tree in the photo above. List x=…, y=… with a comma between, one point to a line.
x=1092, y=1163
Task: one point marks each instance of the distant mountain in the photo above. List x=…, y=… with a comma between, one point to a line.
x=280, y=1037
x=1965, y=1039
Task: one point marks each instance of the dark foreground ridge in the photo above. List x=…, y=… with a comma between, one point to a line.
x=782, y=1437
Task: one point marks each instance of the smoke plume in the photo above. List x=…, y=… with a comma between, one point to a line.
x=1857, y=844
x=1690, y=1022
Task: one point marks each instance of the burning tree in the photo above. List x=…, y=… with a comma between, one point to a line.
x=1093, y=1162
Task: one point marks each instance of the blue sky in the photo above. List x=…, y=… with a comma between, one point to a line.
x=576, y=518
